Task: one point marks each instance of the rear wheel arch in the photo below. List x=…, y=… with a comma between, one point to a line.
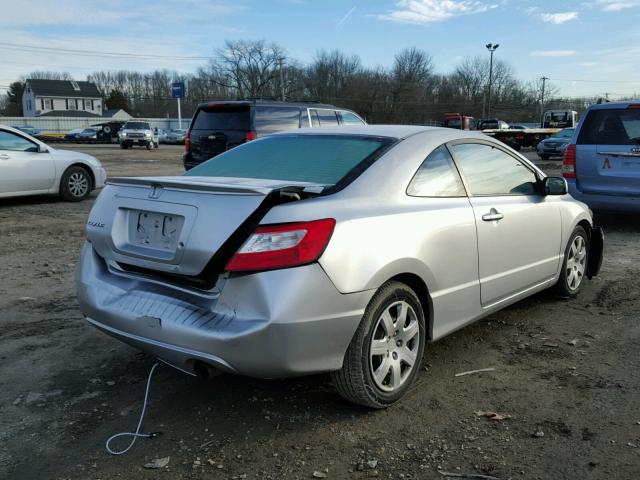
x=418, y=285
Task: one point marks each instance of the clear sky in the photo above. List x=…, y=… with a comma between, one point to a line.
x=587, y=47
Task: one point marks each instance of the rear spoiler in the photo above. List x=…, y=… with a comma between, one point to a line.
x=192, y=184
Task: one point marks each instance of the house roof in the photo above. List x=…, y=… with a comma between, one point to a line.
x=111, y=112
x=69, y=113
x=63, y=88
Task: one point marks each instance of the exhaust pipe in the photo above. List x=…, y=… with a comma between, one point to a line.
x=205, y=371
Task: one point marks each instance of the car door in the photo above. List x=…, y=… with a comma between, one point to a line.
x=22, y=167
x=518, y=229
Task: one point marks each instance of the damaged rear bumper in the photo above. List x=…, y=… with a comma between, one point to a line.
x=270, y=324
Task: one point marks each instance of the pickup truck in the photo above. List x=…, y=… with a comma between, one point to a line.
x=137, y=132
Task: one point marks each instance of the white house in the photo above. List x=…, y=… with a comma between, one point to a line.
x=61, y=98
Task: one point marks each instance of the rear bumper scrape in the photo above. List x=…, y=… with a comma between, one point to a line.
x=271, y=324
x=596, y=251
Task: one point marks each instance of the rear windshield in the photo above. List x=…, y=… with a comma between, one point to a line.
x=324, y=159
x=611, y=127
x=137, y=126
x=223, y=118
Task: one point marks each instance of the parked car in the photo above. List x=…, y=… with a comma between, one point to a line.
x=88, y=134
x=107, y=132
x=136, y=132
x=342, y=249
x=602, y=162
x=556, y=144
x=27, y=129
x=73, y=134
x=218, y=126
x=176, y=136
x=30, y=167
x=161, y=133
x=492, y=124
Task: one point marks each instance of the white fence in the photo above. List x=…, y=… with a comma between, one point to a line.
x=64, y=124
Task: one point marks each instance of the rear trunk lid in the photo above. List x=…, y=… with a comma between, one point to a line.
x=608, y=152
x=217, y=128
x=177, y=225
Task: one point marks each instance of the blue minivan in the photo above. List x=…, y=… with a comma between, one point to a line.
x=602, y=163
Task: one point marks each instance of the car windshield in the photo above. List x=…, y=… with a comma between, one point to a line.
x=490, y=124
x=137, y=126
x=565, y=133
x=324, y=159
x=452, y=123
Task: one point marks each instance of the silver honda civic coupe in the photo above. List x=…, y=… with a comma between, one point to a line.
x=339, y=250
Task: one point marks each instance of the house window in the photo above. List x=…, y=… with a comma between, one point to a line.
x=72, y=104
x=48, y=104
x=88, y=104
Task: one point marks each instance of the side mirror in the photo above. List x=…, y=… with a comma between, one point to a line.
x=42, y=148
x=554, y=186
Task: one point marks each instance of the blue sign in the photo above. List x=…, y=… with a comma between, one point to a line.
x=177, y=90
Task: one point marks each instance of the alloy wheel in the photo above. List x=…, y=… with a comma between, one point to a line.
x=394, y=346
x=576, y=262
x=78, y=184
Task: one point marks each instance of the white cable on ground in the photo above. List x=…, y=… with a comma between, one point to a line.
x=137, y=433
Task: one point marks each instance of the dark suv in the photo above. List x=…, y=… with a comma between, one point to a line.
x=219, y=126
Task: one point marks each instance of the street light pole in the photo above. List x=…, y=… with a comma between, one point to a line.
x=492, y=48
x=544, y=82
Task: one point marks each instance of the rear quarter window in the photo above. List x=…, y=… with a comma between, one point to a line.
x=276, y=119
x=611, y=127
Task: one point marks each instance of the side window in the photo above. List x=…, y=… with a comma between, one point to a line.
x=315, y=122
x=10, y=141
x=276, y=119
x=489, y=171
x=437, y=177
x=327, y=117
x=349, y=118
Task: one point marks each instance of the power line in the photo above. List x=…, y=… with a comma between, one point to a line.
x=594, y=81
x=97, y=53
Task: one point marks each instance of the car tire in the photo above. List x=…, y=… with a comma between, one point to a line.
x=543, y=157
x=375, y=372
x=75, y=184
x=574, y=264
x=149, y=145
x=123, y=146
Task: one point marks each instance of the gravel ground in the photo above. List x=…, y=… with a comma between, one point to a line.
x=565, y=371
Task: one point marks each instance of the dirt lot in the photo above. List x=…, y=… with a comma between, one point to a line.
x=568, y=372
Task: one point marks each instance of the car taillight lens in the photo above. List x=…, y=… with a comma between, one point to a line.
x=281, y=246
x=569, y=162
x=187, y=141
x=251, y=136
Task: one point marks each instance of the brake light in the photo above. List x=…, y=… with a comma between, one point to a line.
x=251, y=136
x=281, y=246
x=569, y=162
x=634, y=106
x=187, y=141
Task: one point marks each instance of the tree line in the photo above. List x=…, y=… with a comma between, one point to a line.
x=409, y=91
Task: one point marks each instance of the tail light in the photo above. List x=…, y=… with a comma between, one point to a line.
x=281, y=246
x=569, y=162
x=187, y=141
x=251, y=136
x=634, y=106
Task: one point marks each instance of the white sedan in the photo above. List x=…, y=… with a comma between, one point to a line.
x=30, y=167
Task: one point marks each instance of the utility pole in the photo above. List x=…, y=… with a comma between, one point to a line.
x=492, y=48
x=281, y=78
x=544, y=81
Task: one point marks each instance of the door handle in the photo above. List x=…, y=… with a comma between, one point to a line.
x=4, y=156
x=492, y=215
